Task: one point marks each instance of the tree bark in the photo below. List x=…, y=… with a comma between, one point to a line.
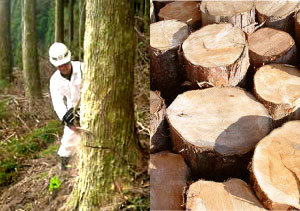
x=59, y=21
x=107, y=108
x=216, y=130
x=5, y=43
x=81, y=27
x=29, y=52
x=275, y=168
x=71, y=23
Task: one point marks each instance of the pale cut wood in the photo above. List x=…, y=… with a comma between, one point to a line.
x=216, y=129
x=277, y=14
x=168, y=177
x=185, y=11
x=233, y=195
x=277, y=86
x=276, y=168
x=217, y=54
x=268, y=45
x=239, y=13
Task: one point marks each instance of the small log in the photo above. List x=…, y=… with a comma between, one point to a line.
x=277, y=86
x=216, y=129
x=159, y=134
x=268, y=45
x=165, y=69
x=217, y=54
x=185, y=11
x=275, y=170
x=233, y=194
x=276, y=14
x=168, y=175
x=239, y=13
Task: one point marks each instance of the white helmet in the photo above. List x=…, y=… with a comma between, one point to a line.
x=59, y=54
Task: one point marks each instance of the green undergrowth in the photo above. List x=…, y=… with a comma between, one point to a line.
x=15, y=150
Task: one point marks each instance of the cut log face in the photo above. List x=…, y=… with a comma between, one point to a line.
x=217, y=54
x=216, y=128
x=276, y=168
x=239, y=13
x=269, y=45
x=168, y=177
x=276, y=14
x=184, y=11
x=277, y=86
x=233, y=194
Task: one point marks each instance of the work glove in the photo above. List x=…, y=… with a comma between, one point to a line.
x=71, y=118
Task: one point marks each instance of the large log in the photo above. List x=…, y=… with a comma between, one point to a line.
x=268, y=45
x=168, y=177
x=239, y=13
x=165, y=69
x=185, y=11
x=276, y=14
x=277, y=86
x=276, y=168
x=216, y=129
x=233, y=194
x=159, y=135
x=217, y=54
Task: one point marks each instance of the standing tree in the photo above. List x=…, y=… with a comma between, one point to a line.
x=29, y=51
x=81, y=27
x=71, y=22
x=5, y=42
x=59, y=21
x=107, y=108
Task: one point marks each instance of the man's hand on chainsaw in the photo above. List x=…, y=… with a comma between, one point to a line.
x=71, y=118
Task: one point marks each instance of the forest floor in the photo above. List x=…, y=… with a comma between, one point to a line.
x=30, y=175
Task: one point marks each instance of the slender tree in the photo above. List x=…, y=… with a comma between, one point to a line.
x=71, y=22
x=5, y=42
x=59, y=21
x=107, y=108
x=29, y=51
x=81, y=27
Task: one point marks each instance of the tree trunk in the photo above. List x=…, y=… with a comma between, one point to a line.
x=81, y=27
x=152, y=12
x=159, y=136
x=234, y=194
x=5, y=43
x=71, y=23
x=277, y=86
x=107, y=108
x=59, y=21
x=278, y=15
x=239, y=13
x=184, y=11
x=268, y=45
x=297, y=34
x=29, y=52
x=216, y=54
x=166, y=73
x=168, y=175
x=275, y=170
x=216, y=130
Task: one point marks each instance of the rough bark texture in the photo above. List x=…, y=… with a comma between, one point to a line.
x=29, y=51
x=216, y=129
x=81, y=27
x=243, y=15
x=168, y=175
x=59, y=21
x=5, y=42
x=263, y=51
x=275, y=168
x=277, y=87
x=159, y=134
x=233, y=194
x=107, y=108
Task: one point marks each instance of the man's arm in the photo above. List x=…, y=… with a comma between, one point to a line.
x=57, y=101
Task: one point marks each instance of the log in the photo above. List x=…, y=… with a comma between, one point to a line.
x=275, y=169
x=168, y=175
x=233, y=194
x=159, y=134
x=165, y=70
x=239, y=13
x=185, y=11
x=216, y=129
x=217, y=54
x=277, y=86
x=276, y=14
x=268, y=45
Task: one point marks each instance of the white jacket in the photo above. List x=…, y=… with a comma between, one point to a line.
x=61, y=89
